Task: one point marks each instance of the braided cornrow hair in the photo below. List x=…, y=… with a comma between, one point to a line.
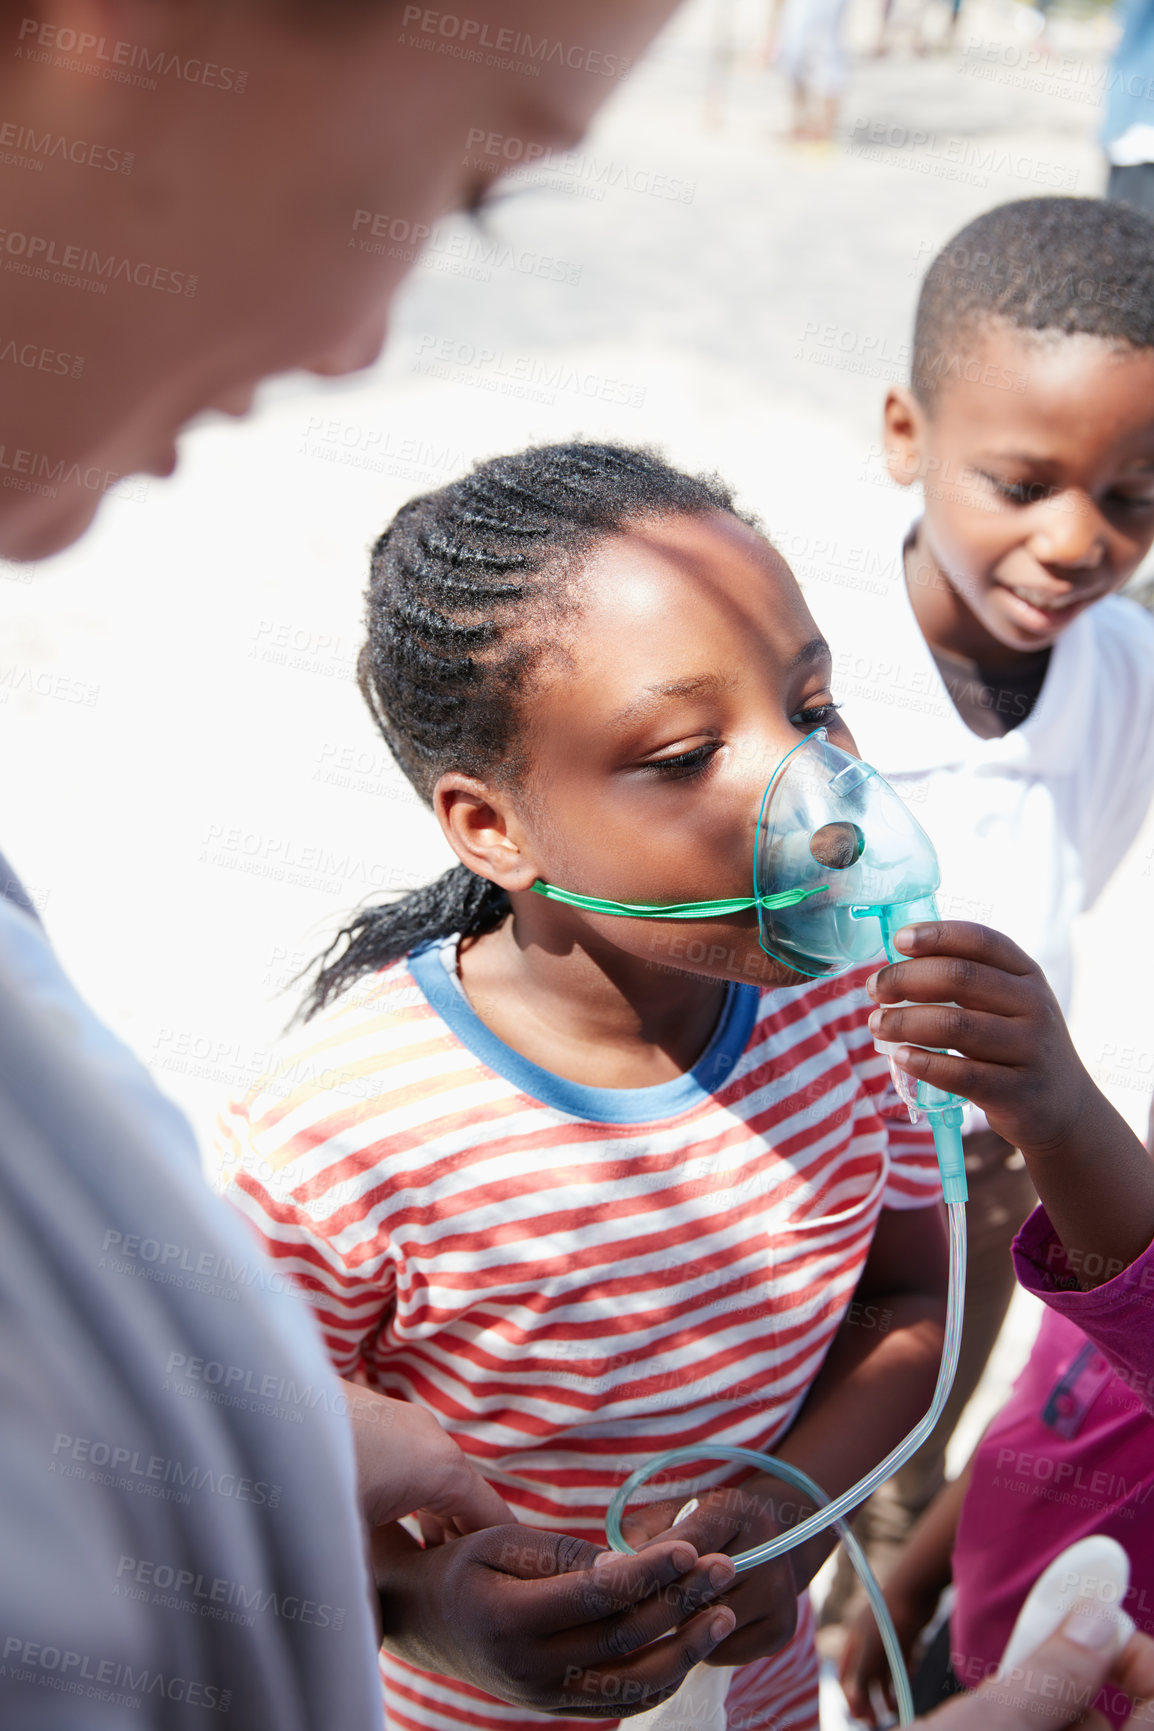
x=466, y=588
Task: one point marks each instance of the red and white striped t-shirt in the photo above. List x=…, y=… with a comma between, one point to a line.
x=572, y=1278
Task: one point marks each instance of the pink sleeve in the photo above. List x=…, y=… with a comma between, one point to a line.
x=1117, y=1316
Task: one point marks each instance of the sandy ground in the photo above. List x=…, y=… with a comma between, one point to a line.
x=189, y=784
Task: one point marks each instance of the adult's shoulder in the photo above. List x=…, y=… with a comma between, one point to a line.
x=170, y=1407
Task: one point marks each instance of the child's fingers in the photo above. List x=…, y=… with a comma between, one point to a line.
x=858, y=1660
x=599, y=1690
x=649, y=1521
x=766, y=1615
x=984, y=1084
x=952, y=979
x=669, y=1577
x=963, y=938
x=858, y=1701
x=988, y=1039
x=630, y=1627
x=863, y=1662
x=708, y=1528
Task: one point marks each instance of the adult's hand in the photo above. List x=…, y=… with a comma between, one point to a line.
x=549, y=1623
x=1056, y=1684
x=406, y=1464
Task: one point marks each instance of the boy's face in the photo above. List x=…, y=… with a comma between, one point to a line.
x=693, y=666
x=1038, y=469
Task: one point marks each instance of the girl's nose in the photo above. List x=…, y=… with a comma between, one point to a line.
x=1070, y=532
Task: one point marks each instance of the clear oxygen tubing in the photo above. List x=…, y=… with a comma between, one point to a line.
x=947, y=1139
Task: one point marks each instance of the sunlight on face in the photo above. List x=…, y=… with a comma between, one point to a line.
x=691, y=667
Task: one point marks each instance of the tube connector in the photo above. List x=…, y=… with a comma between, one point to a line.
x=947, y=1129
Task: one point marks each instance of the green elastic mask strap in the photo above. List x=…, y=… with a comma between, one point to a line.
x=678, y=910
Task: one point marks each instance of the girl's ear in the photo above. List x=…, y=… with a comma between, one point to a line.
x=481, y=827
x=905, y=435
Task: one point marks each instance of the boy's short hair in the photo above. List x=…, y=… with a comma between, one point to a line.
x=1043, y=264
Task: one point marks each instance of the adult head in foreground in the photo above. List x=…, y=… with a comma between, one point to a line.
x=200, y=195
x=181, y=212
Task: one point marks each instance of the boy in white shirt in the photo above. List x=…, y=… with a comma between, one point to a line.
x=1003, y=685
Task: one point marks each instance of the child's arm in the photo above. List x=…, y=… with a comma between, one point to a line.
x=978, y=993
x=876, y=1382
x=878, y=1376
x=912, y=1591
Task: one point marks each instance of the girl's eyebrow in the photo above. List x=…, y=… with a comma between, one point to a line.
x=705, y=685
x=817, y=649
x=697, y=685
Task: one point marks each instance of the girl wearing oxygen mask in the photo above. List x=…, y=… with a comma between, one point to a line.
x=587, y=1146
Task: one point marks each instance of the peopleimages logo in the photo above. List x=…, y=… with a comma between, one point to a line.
x=511, y=50
x=144, y=1572
x=103, y=1679
x=21, y=146
x=25, y=471
x=128, y=1469
x=576, y=170
x=39, y=256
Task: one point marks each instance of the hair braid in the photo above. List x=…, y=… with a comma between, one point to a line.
x=466, y=587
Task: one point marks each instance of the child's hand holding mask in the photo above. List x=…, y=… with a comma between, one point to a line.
x=971, y=991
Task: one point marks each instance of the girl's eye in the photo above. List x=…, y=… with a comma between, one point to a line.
x=686, y=763
x=820, y=715
x=1133, y=501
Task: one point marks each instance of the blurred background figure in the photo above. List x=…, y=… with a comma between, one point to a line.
x=1128, y=123
x=772, y=32
x=920, y=43
x=722, y=55
x=812, y=55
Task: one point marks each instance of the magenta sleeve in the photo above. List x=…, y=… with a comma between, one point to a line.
x=1117, y=1315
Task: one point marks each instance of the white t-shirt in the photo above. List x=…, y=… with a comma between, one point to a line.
x=1029, y=826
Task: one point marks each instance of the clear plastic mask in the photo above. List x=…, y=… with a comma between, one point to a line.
x=830, y=826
